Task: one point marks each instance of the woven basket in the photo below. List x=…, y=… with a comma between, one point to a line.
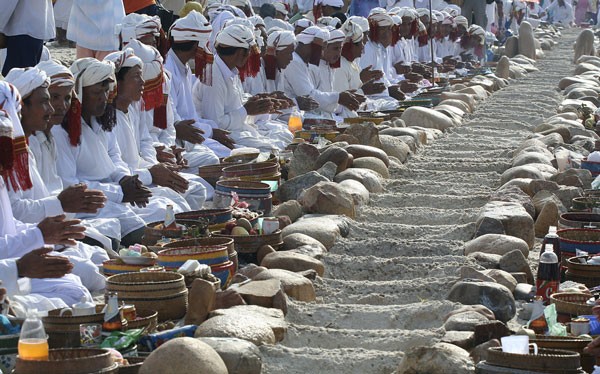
x=546, y=361
x=147, y=319
x=174, y=258
x=571, y=303
x=169, y=307
x=584, y=239
x=70, y=361
x=146, y=285
x=251, y=170
x=577, y=220
x=568, y=344
x=251, y=243
x=214, y=216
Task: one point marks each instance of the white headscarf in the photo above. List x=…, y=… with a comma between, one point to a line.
x=453, y=9
x=193, y=27
x=311, y=33
x=461, y=20
x=336, y=36
x=26, y=80
x=136, y=26
x=124, y=59
x=332, y=3
x=150, y=57
x=280, y=7
x=360, y=21
x=280, y=40
x=380, y=17
x=329, y=22
x=353, y=32
x=59, y=74
x=304, y=23
x=236, y=36
x=477, y=31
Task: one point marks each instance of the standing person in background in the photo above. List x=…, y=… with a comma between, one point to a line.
x=362, y=8
x=93, y=27
x=475, y=9
x=62, y=12
x=26, y=25
x=141, y=7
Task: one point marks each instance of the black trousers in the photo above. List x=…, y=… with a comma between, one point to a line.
x=22, y=51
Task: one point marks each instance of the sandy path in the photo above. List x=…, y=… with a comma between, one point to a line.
x=385, y=284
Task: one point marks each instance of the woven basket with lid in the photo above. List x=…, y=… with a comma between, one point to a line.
x=546, y=361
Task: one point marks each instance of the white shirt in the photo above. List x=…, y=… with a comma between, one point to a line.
x=44, y=152
x=323, y=78
x=299, y=82
x=561, y=14
x=27, y=17
x=94, y=24
x=347, y=76
x=378, y=57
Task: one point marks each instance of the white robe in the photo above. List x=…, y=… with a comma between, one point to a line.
x=299, y=81
x=18, y=239
x=138, y=153
x=94, y=24
x=222, y=102
x=380, y=58
x=182, y=83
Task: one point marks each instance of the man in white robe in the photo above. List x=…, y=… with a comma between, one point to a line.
x=202, y=139
x=134, y=139
x=18, y=239
x=223, y=100
x=299, y=82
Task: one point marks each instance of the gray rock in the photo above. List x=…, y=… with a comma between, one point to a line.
x=486, y=260
x=480, y=353
x=334, y=154
x=502, y=69
x=520, y=277
x=464, y=321
x=514, y=261
x=441, y=358
x=467, y=272
x=566, y=194
x=292, y=261
x=526, y=40
x=552, y=140
x=325, y=231
x=316, y=252
x=547, y=217
x=522, y=183
x=290, y=208
x=372, y=163
x=303, y=160
x=544, y=197
x=394, y=146
x=273, y=317
x=502, y=277
x=524, y=291
x=293, y=241
x=327, y=198
x=419, y=136
x=425, y=117
x=366, y=133
x=410, y=142
x=240, y=356
x=247, y=327
x=515, y=194
x=368, y=178
x=293, y=188
x=294, y=285
x=329, y=170
x=538, y=185
x=489, y=225
x=494, y=296
x=531, y=158
x=358, y=151
x=496, y=244
x=357, y=190
x=515, y=219
x=462, y=339
x=524, y=171
x=194, y=357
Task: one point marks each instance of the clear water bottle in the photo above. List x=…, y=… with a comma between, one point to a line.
x=548, y=274
x=33, y=341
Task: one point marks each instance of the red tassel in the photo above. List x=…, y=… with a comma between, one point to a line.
x=18, y=176
x=270, y=67
x=464, y=41
x=203, y=66
x=252, y=66
x=7, y=152
x=317, y=12
x=160, y=114
x=153, y=92
x=478, y=50
x=453, y=36
x=395, y=34
x=373, y=31
x=347, y=51
x=73, y=119
x=316, y=51
x=423, y=39
x=414, y=29
x=336, y=64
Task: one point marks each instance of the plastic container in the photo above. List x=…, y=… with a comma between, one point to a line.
x=295, y=122
x=548, y=275
x=33, y=341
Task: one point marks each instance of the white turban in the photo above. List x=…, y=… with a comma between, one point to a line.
x=238, y=36
x=280, y=7
x=257, y=20
x=478, y=31
x=448, y=21
x=124, y=59
x=331, y=3
x=304, y=23
x=438, y=16
x=360, y=21
x=396, y=19
x=353, y=32
x=380, y=17
x=423, y=12
x=461, y=20
x=136, y=26
x=150, y=57
x=14, y=156
x=280, y=40
x=240, y=21
x=329, y=22
x=336, y=36
x=408, y=12
x=453, y=9
x=59, y=74
x=284, y=25
x=238, y=3
x=231, y=9
x=26, y=80
x=89, y=71
x=309, y=34
x=193, y=27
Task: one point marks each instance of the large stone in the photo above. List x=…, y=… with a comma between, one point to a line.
x=337, y=155
x=324, y=230
x=457, y=104
x=515, y=219
x=315, y=252
x=425, y=117
x=502, y=277
x=552, y=140
x=502, y=69
x=266, y=293
x=496, y=244
x=467, y=272
x=419, y=136
x=360, y=194
x=328, y=198
x=358, y=151
x=372, y=163
x=441, y=358
x=516, y=195
x=329, y=170
x=290, y=208
x=484, y=311
x=240, y=356
x=465, y=98
x=366, y=133
x=490, y=330
x=292, y=262
x=294, y=241
x=465, y=321
x=184, y=355
x=523, y=171
x=547, y=217
x=294, y=285
x=462, y=339
x=526, y=40
x=584, y=175
x=480, y=353
x=293, y=188
x=544, y=197
x=476, y=90
x=531, y=158
x=494, y=296
x=368, y=178
x=273, y=317
x=486, y=260
x=489, y=225
x=524, y=291
x=515, y=262
x=522, y=183
x=584, y=45
x=202, y=299
x=303, y=160
x=537, y=185
x=566, y=194
x=395, y=147
x=248, y=327
x=511, y=48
